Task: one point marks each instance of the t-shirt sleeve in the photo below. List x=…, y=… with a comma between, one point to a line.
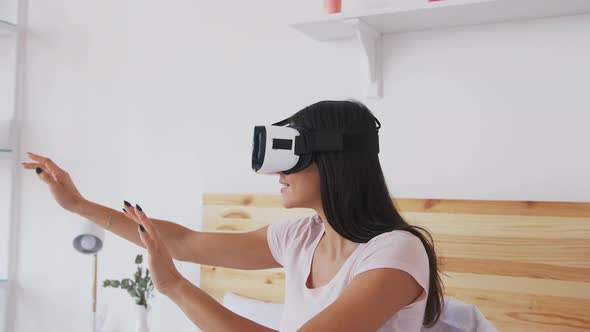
x=278, y=235
x=398, y=250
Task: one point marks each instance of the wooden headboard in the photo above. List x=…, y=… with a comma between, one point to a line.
x=526, y=265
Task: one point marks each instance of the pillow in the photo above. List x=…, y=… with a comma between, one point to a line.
x=458, y=316
x=264, y=313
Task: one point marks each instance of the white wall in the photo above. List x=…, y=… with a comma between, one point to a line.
x=155, y=104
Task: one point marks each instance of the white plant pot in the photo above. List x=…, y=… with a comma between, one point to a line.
x=142, y=316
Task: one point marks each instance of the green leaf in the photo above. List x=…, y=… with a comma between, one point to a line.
x=138, y=274
x=141, y=298
x=140, y=287
x=126, y=283
x=132, y=292
x=142, y=284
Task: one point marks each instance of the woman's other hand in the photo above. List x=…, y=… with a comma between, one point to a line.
x=59, y=181
x=164, y=274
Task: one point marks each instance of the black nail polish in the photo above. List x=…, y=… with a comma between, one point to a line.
x=127, y=204
x=138, y=207
x=38, y=170
x=124, y=210
x=141, y=228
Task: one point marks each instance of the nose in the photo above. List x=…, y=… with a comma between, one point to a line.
x=282, y=176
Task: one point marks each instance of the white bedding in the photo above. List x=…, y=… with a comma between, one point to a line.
x=456, y=317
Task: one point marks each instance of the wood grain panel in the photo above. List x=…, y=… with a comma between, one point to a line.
x=480, y=207
x=266, y=285
x=527, y=312
x=504, y=267
x=503, y=225
x=555, y=252
x=525, y=265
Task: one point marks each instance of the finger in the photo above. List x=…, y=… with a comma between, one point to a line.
x=44, y=176
x=48, y=165
x=146, y=222
x=149, y=235
x=147, y=241
x=31, y=165
x=148, y=226
x=131, y=215
x=132, y=212
x=128, y=209
x=36, y=166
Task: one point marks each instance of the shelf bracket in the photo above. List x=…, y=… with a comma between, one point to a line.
x=370, y=42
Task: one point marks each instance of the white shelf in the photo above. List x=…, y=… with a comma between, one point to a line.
x=6, y=153
x=7, y=28
x=368, y=27
x=439, y=14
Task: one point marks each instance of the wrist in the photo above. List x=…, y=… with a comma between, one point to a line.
x=80, y=206
x=177, y=288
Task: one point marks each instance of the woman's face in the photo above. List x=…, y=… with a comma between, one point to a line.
x=301, y=189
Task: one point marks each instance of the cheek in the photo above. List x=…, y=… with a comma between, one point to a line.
x=306, y=188
x=305, y=183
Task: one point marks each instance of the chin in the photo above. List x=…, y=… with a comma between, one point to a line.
x=288, y=203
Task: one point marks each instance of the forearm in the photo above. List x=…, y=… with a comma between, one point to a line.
x=172, y=233
x=208, y=314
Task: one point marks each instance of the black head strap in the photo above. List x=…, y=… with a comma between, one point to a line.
x=335, y=140
x=319, y=141
x=282, y=122
x=286, y=121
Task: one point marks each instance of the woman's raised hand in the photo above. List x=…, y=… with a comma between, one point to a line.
x=59, y=181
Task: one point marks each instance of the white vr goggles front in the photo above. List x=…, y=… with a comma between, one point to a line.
x=289, y=149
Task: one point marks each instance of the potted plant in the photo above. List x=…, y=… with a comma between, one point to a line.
x=140, y=288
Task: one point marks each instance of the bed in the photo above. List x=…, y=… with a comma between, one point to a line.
x=525, y=265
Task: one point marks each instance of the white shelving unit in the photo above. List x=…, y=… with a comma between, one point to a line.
x=3, y=303
x=7, y=28
x=12, y=38
x=7, y=49
x=369, y=26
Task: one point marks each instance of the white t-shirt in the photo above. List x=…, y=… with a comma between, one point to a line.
x=293, y=242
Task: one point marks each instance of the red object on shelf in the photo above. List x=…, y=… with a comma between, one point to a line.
x=332, y=6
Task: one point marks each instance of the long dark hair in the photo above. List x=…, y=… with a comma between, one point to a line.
x=355, y=197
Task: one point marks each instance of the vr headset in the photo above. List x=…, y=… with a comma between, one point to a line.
x=289, y=149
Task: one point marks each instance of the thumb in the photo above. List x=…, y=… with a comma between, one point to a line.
x=45, y=177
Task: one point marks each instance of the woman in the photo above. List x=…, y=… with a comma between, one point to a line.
x=354, y=266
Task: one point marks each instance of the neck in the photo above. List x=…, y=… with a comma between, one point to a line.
x=333, y=243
